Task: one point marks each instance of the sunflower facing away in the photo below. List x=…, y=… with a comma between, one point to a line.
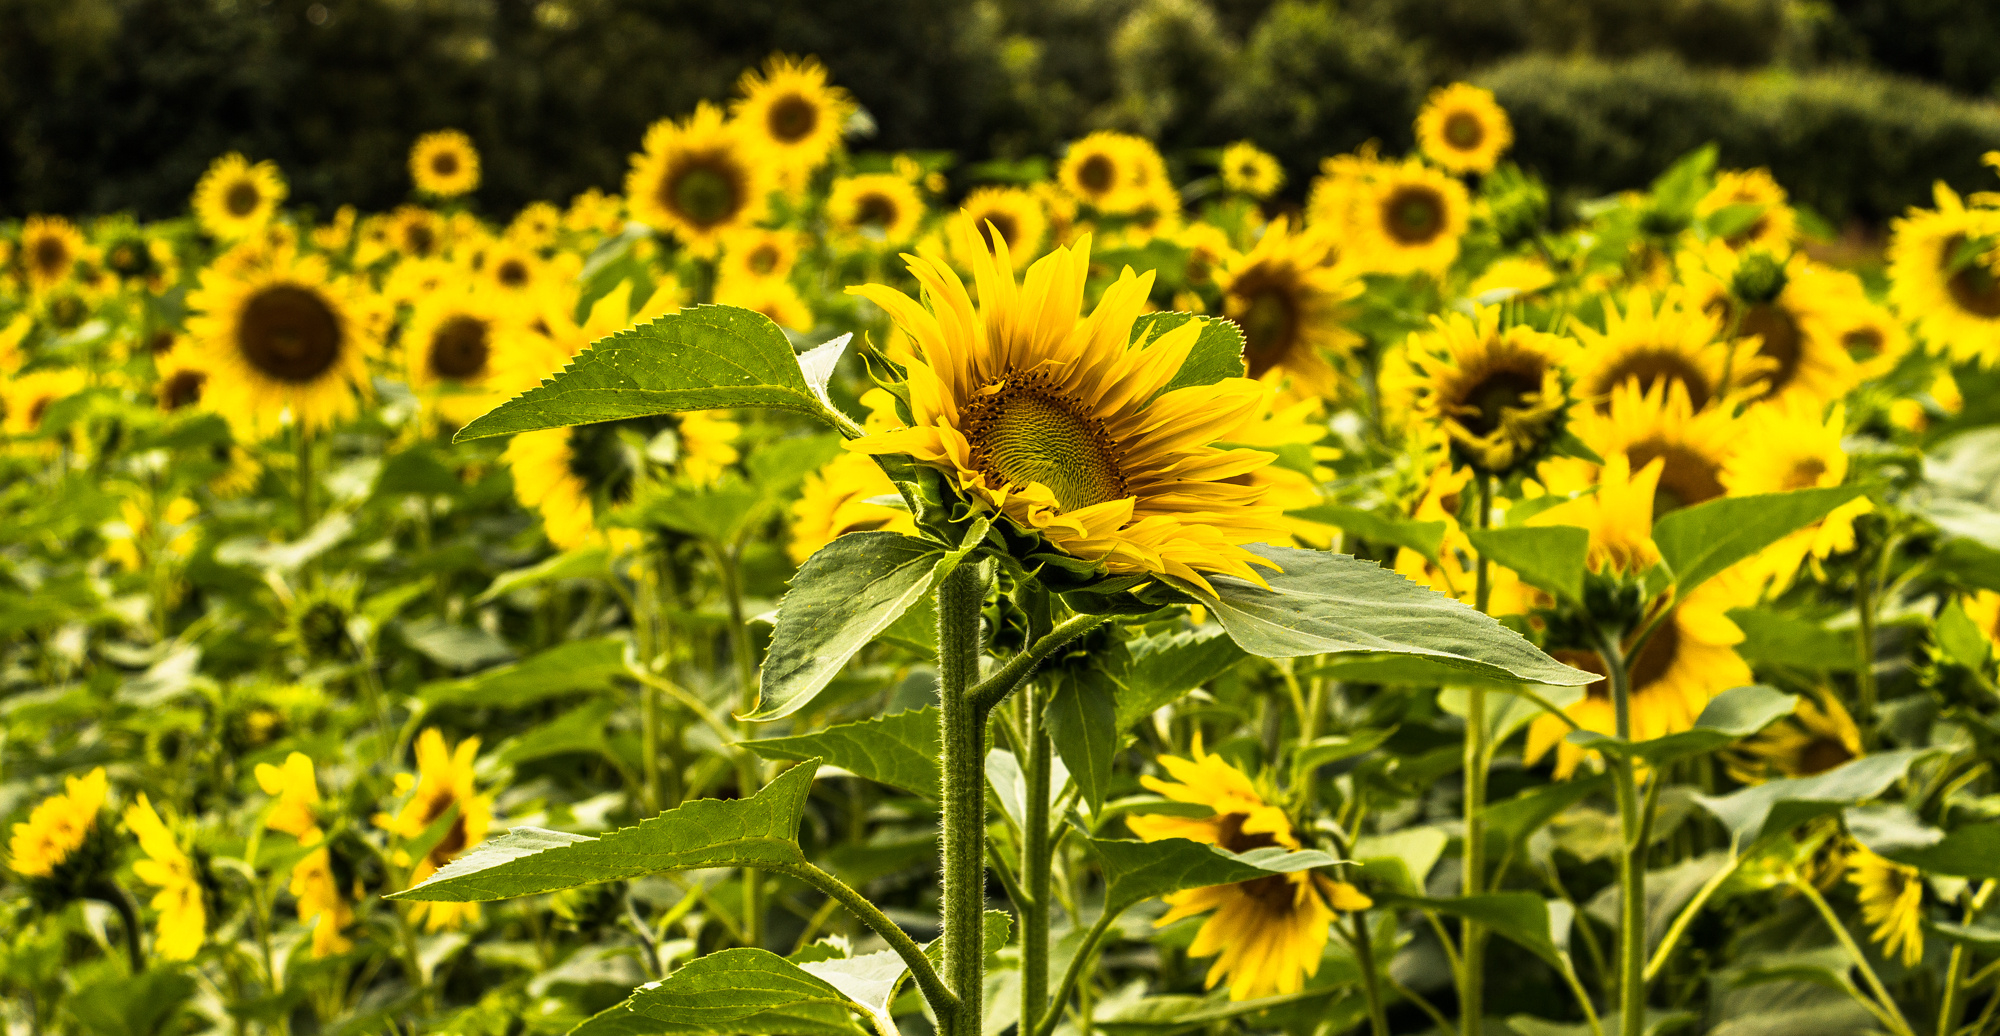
x=58, y=827
x=1650, y=343
x=321, y=906
x=235, y=199
x=183, y=921
x=1289, y=305
x=444, y=780
x=1111, y=172
x=1059, y=422
x=1463, y=129
x=792, y=113
x=698, y=178
x=879, y=207
x=1411, y=219
x=1944, y=275
x=1266, y=935
x=50, y=249
x=444, y=164
x=1497, y=396
x=282, y=337
x=1892, y=899
x=1250, y=170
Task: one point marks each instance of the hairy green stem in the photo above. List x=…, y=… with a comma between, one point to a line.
x=995, y=688
x=927, y=978
x=962, y=737
x=1073, y=974
x=749, y=772
x=1036, y=858
x=1632, y=862
x=1472, y=935
x=1948, y=1008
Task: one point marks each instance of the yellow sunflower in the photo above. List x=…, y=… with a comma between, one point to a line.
x=1209, y=252
x=1289, y=305
x=791, y=112
x=1792, y=346
x=776, y=299
x=881, y=208
x=1660, y=424
x=570, y=476
x=183, y=922
x=1339, y=193
x=1892, y=899
x=1455, y=572
x=1111, y=172
x=416, y=232
x=1249, y=170
x=1618, y=516
x=1874, y=338
x=1410, y=220
x=443, y=780
x=235, y=199
x=1944, y=276
x=51, y=246
x=322, y=907
x=1016, y=214
x=757, y=254
x=1267, y=935
x=1463, y=129
x=1652, y=345
x=698, y=178
x=1818, y=736
x=1775, y=224
x=1496, y=396
x=840, y=497
x=25, y=398
x=1796, y=449
x=58, y=827
x=453, y=348
x=286, y=337
x=444, y=164
x=515, y=273
x=1052, y=420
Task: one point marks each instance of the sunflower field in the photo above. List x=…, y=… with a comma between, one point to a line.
x=817, y=592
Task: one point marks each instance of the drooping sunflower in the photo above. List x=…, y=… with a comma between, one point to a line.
x=1289, y=304
x=1014, y=213
x=1795, y=448
x=791, y=112
x=698, y=178
x=1052, y=420
x=1463, y=129
x=58, y=828
x=1668, y=342
x=1250, y=170
x=183, y=922
x=1111, y=172
x=443, y=780
x=571, y=476
x=454, y=347
x=881, y=208
x=1818, y=736
x=285, y=337
x=1775, y=224
x=1944, y=276
x=1267, y=935
x=236, y=199
x=1411, y=220
x=1892, y=899
x=321, y=905
x=757, y=254
x=444, y=164
x=1497, y=396
x=1661, y=424
x=51, y=246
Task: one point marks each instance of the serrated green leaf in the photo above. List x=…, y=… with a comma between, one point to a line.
x=742, y=990
x=1166, y=666
x=1700, y=542
x=1135, y=871
x=1729, y=717
x=703, y=358
x=1426, y=538
x=1321, y=751
x=1550, y=557
x=1083, y=725
x=1402, y=859
x=760, y=831
x=899, y=750
x=583, y=665
x=1326, y=603
x=1217, y=352
x=1779, y=806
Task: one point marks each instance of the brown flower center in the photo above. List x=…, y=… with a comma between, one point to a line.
x=1973, y=288
x=459, y=348
x=1464, y=131
x=445, y=163
x=1030, y=430
x=1649, y=367
x=1686, y=478
x=1413, y=214
x=182, y=389
x=51, y=257
x=241, y=199
x=762, y=260
x=1805, y=473
x=1863, y=343
x=875, y=210
x=512, y=273
x=1004, y=223
x=1822, y=754
x=1783, y=343
x=1096, y=174
x=1266, y=308
x=289, y=333
x=705, y=190
x=792, y=119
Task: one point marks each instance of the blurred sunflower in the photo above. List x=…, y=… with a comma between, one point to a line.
x=1267, y=935
x=1250, y=170
x=1796, y=449
x=321, y=905
x=1339, y=194
x=774, y=298
x=58, y=828
x=1944, y=276
x=791, y=113
x=282, y=338
x=444, y=164
x=698, y=178
x=535, y=226
x=1650, y=344
x=134, y=257
x=1411, y=220
x=236, y=199
x=25, y=398
x=183, y=921
x=1289, y=305
x=240, y=470
x=1455, y=572
x=443, y=781
x=1463, y=129
x=1014, y=213
x=1110, y=172
x=882, y=208
x=1498, y=397
x=1618, y=516
x=1660, y=424
x=515, y=273
x=572, y=476
x=1818, y=736
x=756, y=254
x=1787, y=309
x=416, y=232
x=51, y=246
x=452, y=348
x=1874, y=339
x=1209, y=252
x=1052, y=420
x=840, y=497
x=1752, y=192
x=1892, y=899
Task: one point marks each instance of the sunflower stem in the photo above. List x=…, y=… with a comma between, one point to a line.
x=1363, y=942
x=304, y=471
x=749, y=772
x=1867, y=583
x=1948, y=1008
x=1884, y=1008
x=1035, y=859
x=1632, y=862
x=1472, y=936
x=962, y=736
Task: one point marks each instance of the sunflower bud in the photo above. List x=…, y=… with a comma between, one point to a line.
x=1759, y=278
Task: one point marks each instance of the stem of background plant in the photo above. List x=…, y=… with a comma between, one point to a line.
x=647, y=631
x=1371, y=984
x=1036, y=858
x=1867, y=585
x=304, y=471
x=1955, y=973
x=1884, y=1009
x=749, y=772
x=1472, y=936
x=1632, y=862
x=962, y=736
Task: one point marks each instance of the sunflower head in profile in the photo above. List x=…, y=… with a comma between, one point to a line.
x=1411, y=219
x=1267, y=935
x=1248, y=169
x=64, y=850
x=1944, y=276
x=1756, y=201
x=1014, y=214
x=1892, y=899
x=283, y=337
x=181, y=901
x=235, y=198
x=1498, y=396
x=1064, y=425
x=573, y=477
x=454, y=347
x=1111, y=172
x=699, y=178
x=791, y=113
x=881, y=208
x=50, y=249
x=1653, y=344
x=1463, y=129
x=1289, y=305
x=444, y=780
x=444, y=164
x=322, y=906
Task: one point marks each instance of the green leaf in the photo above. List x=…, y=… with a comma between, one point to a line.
x=703, y=358
x=1677, y=190
x=1520, y=917
x=1323, y=750
x=718, y=513
x=454, y=645
x=581, y=563
x=582, y=665
x=1426, y=538
x=579, y=730
x=845, y=594
x=1550, y=557
x=1729, y=717
x=1967, y=563
x=760, y=831
x=1166, y=1015
x=1774, y=638
x=1960, y=638
x=1658, y=1023
x=1135, y=871
x=1779, y=806
x=743, y=990
x=1083, y=724
x=1402, y=859
x=899, y=750
x=1217, y=353
x=1509, y=823
x=1972, y=851
x=417, y=471
x=1168, y=665
x=1698, y=543
x=1326, y=603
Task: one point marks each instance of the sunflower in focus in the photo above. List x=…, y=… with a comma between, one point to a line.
x=183, y=922
x=1651, y=344
x=1944, y=275
x=1053, y=420
x=757, y=254
x=1818, y=736
x=1250, y=170
x=444, y=164
x=1411, y=219
x=57, y=829
x=1774, y=225
x=287, y=337
x=1497, y=396
x=1463, y=129
x=236, y=199
x=878, y=207
x=321, y=905
x=453, y=347
x=698, y=178
x=1892, y=899
x=1111, y=172
x=51, y=246
x=1267, y=935
x=1289, y=305
x=791, y=112
x=1016, y=215
x=443, y=781
x=1796, y=449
